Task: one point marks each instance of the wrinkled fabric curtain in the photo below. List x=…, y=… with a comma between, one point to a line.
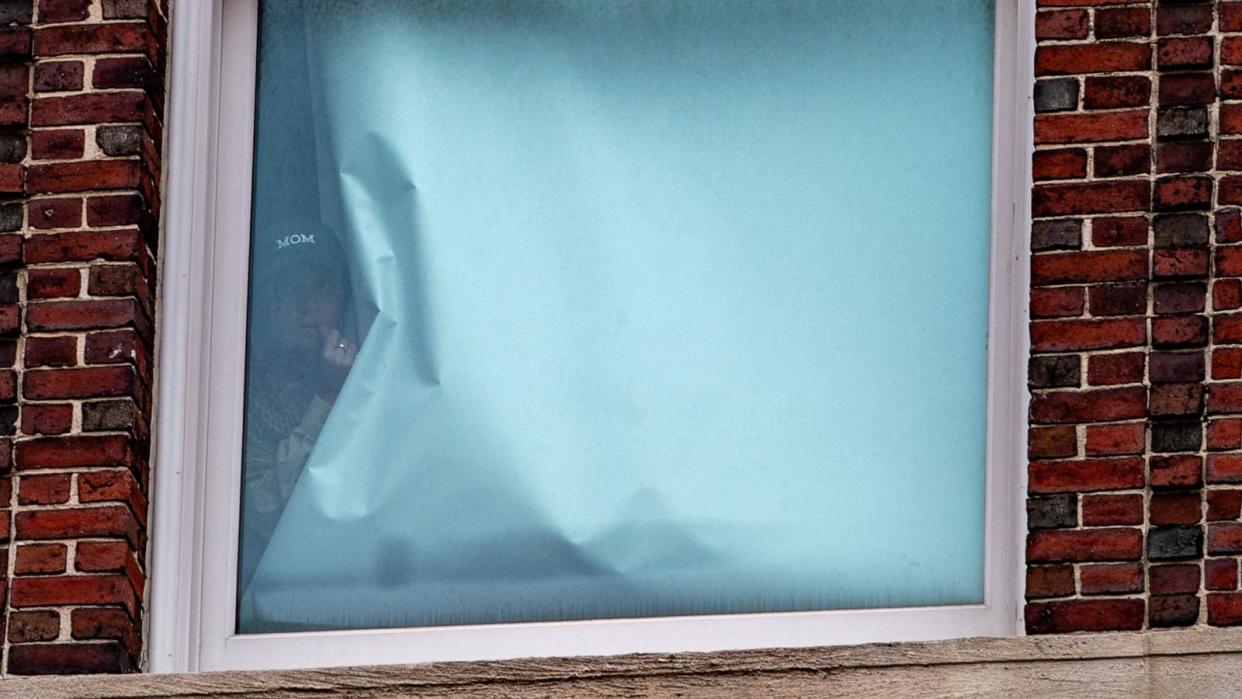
x=664, y=308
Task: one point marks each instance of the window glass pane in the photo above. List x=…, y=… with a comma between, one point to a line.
x=570, y=309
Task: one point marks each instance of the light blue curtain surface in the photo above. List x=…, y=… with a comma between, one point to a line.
x=663, y=307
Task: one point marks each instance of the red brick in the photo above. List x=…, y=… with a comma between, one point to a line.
x=46, y=418
x=1230, y=191
x=1112, y=510
x=1183, y=157
x=1091, y=266
x=58, y=76
x=113, y=486
x=1112, y=579
x=1231, y=84
x=1224, y=468
x=61, y=212
x=1177, y=471
x=74, y=452
x=1083, y=475
x=1185, y=52
x=53, y=11
x=1180, y=331
x=54, y=282
x=73, y=590
x=1089, y=58
x=1179, y=19
x=107, y=520
x=1231, y=16
x=15, y=42
x=80, y=246
x=1179, y=298
x=1118, y=300
x=1067, y=545
x=1224, y=434
x=121, y=72
x=1174, y=579
x=1049, y=581
x=83, y=176
x=1060, y=164
x=116, y=347
x=92, y=382
x=1051, y=442
x=126, y=37
x=1225, y=398
x=1224, y=609
x=1226, y=295
x=68, y=658
x=1221, y=574
x=1116, y=231
x=1084, y=615
x=1187, y=89
x=1122, y=22
x=50, y=489
x=1174, y=193
x=88, y=108
x=1231, y=119
x=112, y=624
x=1103, y=405
x=1229, y=261
x=1061, y=24
x=1226, y=363
x=1113, y=369
x=40, y=559
x=1087, y=128
x=1119, y=161
x=1116, y=92
x=1115, y=440
x=1229, y=155
x=118, y=210
x=81, y=315
x=1224, y=538
x=1078, y=335
x=1057, y=302
x=102, y=556
x=57, y=144
x=1227, y=329
x=1175, y=508
x=1224, y=505
x=1176, y=263
x=12, y=179
x=51, y=351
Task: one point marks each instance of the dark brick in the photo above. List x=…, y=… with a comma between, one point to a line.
x=1056, y=95
x=1053, y=512
x=119, y=140
x=1174, y=230
x=1182, y=122
x=1168, y=543
x=1176, y=367
x=1064, y=234
x=1173, y=610
x=1055, y=372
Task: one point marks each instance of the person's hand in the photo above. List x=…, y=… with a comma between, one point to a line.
x=335, y=362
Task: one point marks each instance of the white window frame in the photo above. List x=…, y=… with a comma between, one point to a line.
x=196, y=474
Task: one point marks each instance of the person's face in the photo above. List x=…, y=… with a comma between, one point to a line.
x=309, y=302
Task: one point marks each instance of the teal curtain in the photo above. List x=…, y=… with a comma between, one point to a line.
x=665, y=307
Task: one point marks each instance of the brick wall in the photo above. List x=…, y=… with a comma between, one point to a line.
x=80, y=134
x=1135, y=472
x=1136, y=412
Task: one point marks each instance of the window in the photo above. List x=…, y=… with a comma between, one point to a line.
x=594, y=327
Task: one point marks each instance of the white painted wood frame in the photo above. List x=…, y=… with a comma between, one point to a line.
x=197, y=461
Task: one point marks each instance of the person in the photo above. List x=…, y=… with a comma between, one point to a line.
x=300, y=356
